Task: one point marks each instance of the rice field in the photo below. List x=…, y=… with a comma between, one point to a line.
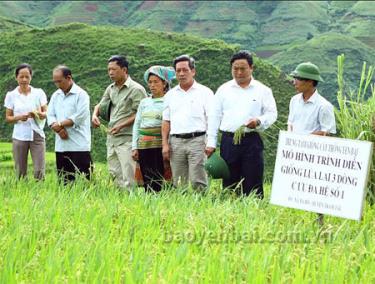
x=6, y=158
x=92, y=232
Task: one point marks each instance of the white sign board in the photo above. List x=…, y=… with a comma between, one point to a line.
x=321, y=174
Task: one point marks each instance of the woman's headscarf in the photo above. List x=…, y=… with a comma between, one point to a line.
x=165, y=73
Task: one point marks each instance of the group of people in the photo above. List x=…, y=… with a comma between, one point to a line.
x=67, y=114
x=169, y=129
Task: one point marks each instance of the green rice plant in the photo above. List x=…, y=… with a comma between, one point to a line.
x=103, y=129
x=355, y=116
x=6, y=158
x=238, y=134
x=93, y=232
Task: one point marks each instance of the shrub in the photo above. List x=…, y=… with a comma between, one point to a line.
x=356, y=113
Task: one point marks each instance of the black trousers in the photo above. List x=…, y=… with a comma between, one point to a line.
x=70, y=163
x=245, y=162
x=152, y=168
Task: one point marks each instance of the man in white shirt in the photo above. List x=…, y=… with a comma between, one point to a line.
x=246, y=102
x=309, y=112
x=184, y=125
x=69, y=117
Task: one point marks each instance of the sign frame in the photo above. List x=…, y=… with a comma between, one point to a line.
x=319, y=179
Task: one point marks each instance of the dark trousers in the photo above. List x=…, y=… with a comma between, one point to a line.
x=152, y=168
x=245, y=162
x=70, y=163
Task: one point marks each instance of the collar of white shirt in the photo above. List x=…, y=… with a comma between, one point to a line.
x=194, y=86
x=73, y=90
x=312, y=99
x=252, y=83
x=17, y=91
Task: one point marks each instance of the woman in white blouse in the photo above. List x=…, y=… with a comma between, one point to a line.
x=26, y=107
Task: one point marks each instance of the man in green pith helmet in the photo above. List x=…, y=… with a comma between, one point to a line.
x=309, y=112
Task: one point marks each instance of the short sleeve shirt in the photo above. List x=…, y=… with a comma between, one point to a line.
x=75, y=106
x=23, y=104
x=315, y=114
x=125, y=101
x=188, y=110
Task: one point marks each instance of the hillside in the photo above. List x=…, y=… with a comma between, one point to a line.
x=264, y=26
x=11, y=25
x=29, y=12
x=85, y=49
x=359, y=21
x=323, y=51
x=268, y=28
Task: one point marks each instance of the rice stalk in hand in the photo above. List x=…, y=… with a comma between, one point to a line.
x=36, y=116
x=38, y=119
x=238, y=134
x=103, y=128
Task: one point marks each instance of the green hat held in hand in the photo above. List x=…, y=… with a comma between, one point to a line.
x=307, y=70
x=105, y=110
x=216, y=167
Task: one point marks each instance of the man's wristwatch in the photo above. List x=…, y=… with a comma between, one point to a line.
x=258, y=122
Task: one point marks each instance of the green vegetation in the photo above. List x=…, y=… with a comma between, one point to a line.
x=253, y=24
x=273, y=29
x=288, y=21
x=364, y=9
x=358, y=21
x=29, y=12
x=90, y=12
x=360, y=29
x=86, y=50
x=92, y=232
x=323, y=51
x=355, y=116
x=11, y=25
x=238, y=135
x=6, y=158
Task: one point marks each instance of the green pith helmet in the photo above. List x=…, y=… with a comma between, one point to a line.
x=307, y=70
x=105, y=110
x=216, y=167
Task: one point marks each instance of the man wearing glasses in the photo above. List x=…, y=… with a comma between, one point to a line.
x=124, y=96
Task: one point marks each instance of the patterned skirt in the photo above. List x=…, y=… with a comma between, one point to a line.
x=149, y=138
